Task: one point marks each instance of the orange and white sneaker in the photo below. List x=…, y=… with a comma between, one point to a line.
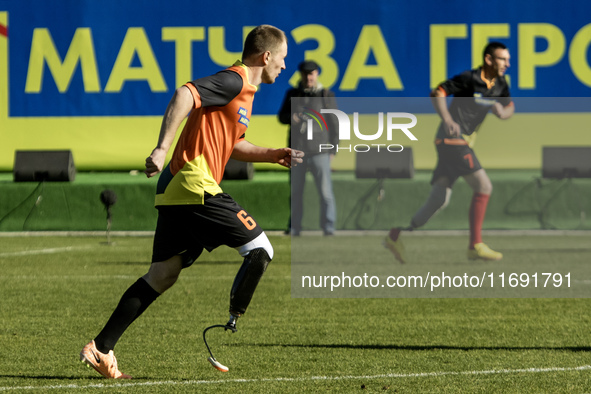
x=482, y=252
x=393, y=243
x=105, y=364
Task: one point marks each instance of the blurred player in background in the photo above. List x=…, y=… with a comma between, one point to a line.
x=193, y=212
x=476, y=92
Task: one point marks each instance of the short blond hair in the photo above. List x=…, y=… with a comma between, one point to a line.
x=261, y=39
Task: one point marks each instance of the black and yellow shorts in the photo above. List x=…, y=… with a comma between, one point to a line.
x=188, y=229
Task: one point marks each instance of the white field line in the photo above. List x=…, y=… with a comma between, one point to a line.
x=69, y=277
x=44, y=251
x=128, y=277
x=171, y=383
x=16, y=234
x=115, y=234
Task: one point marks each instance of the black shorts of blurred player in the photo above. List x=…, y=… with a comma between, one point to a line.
x=455, y=159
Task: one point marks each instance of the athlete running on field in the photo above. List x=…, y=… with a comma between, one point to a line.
x=476, y=92
x=193, y=212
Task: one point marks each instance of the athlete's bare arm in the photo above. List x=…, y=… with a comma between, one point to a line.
x=503, y=112
x=439, y=102
x=287, y=157
x=178, y=108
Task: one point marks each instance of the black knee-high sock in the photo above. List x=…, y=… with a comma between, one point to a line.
x=132, y=304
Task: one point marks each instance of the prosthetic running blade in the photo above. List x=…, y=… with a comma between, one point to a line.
x=216, y=364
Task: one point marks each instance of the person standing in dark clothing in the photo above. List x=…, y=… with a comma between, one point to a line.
x=314, y=97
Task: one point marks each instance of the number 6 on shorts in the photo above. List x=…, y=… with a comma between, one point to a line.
x=248, y=222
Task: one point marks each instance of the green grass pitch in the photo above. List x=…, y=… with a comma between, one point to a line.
x=57, y=292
